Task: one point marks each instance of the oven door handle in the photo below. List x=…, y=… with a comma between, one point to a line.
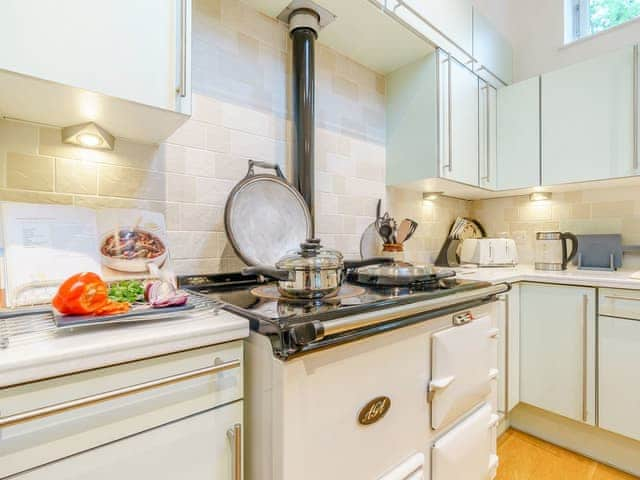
x=439, y=384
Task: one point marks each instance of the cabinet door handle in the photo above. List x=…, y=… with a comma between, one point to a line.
x=182, y=88
x=635, y=107
x=449, y=115
x=487, y=119
x=113, y=394
x=234, y=434
x=585, y=304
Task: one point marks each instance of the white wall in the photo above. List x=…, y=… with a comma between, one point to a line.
x=536, y=31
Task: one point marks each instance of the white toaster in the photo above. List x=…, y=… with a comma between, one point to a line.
x=489, y=252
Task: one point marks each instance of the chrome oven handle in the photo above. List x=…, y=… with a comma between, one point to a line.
x=113, y=394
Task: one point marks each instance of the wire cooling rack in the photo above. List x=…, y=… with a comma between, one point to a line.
x=22, y=326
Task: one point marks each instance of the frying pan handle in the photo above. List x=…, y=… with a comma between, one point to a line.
x=349, y=264
x=266, y=165
x=280, y=275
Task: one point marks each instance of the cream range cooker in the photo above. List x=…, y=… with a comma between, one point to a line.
x=392, y=384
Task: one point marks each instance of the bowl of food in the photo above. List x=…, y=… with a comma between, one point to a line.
x=132, y=250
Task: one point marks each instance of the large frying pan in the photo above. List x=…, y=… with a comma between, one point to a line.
x=265, y=216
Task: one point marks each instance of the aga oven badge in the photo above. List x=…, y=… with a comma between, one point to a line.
x=374, y=410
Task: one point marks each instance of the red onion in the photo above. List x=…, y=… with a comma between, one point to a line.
x=163, y=294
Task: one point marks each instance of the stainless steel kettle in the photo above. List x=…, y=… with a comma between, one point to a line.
x=551, y=250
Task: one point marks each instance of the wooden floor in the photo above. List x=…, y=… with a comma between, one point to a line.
x=523, y=457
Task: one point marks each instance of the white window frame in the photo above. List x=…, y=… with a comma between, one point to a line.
x=577, y=22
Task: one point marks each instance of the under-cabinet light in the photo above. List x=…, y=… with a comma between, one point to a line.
x=539, y=196
x=89, y=135
x=430, y=196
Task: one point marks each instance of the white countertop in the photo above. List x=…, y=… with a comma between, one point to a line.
x=572, y=276
x=67, y=351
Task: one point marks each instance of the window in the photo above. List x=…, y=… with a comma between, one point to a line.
x=587, y=17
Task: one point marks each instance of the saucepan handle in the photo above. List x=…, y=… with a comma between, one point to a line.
x=349, y=264
x=267, y=271
x=266, y=165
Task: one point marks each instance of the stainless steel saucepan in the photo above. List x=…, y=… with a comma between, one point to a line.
x=311, y=272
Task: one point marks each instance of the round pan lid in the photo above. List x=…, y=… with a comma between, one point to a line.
x=265, y=217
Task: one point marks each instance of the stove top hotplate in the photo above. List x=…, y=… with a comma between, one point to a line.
x=296, y=327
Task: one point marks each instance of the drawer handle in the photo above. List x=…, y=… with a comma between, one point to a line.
x=616, y=297
x=113, y=394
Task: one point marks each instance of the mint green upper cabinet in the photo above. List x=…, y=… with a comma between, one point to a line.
x=519, y=135
x=587, y=120
x=461, y=128
x=129, y=50
x=412, y=122
x=492, y=51
x=432, y=122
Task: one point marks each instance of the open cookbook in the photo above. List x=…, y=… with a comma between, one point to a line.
x=45, y=244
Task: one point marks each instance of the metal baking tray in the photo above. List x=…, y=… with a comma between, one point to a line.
x=136, y=314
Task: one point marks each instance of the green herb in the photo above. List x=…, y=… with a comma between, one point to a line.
x=126, y=291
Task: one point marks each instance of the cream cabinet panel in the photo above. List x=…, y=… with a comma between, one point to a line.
x=519, y=135
x=557, y=349
x=197, y=447
x=509, y=350
x=40, y=441
x=618, y=378
x=587, y=120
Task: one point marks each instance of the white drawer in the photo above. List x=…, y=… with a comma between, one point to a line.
x=616, y=302
x=121, y=410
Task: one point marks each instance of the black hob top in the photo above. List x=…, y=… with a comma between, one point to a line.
x=279, y=318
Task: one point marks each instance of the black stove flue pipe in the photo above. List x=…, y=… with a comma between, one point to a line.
x=303, y=38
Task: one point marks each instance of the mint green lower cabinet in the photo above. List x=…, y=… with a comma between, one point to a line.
x=619, y=358
x=558, y=349
x=587, y=120
x=519, y=135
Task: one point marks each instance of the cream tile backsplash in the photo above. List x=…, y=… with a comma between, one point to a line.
x=598, y=210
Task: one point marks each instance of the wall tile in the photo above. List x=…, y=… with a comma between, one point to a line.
x=181, y=188
x=73, y=176
x=35, y=197
x=129, y=182
x=29, y=172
